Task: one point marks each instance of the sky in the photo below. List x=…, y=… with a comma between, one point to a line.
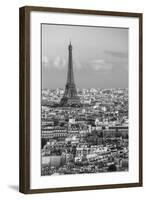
x=100, y=56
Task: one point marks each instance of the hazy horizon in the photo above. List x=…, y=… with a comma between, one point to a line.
x=84, y=88
x=100, y=56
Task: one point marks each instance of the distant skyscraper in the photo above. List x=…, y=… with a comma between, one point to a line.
x=70, y=97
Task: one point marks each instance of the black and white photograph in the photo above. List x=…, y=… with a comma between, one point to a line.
x=80, y=99
x=84, y=99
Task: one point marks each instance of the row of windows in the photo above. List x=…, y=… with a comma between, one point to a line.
x=52, y=131
x=52, y=135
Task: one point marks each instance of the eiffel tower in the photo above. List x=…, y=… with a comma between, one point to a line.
x=70, y=97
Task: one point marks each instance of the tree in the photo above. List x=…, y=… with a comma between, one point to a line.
x=112, y=168
x=43, y=142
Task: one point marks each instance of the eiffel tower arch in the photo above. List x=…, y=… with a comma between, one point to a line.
x=70, y=97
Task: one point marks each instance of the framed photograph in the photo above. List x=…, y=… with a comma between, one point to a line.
x=80, y=99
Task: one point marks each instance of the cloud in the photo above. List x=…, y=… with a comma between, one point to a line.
x=119, y=59
x=118, y=54
x=45, y=61
x=100, y=64
x=111, y=60
x=56, y=62
x=59, y=63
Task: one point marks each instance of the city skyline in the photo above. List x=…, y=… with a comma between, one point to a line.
x=100, y=56
x=89, y=136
